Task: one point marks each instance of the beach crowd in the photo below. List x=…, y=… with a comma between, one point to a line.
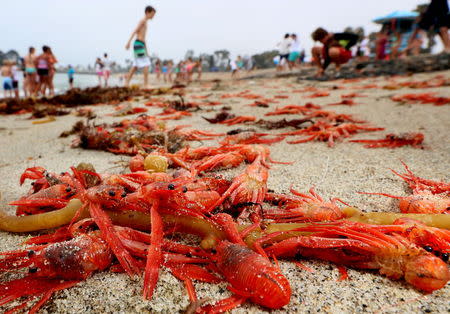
x=37, y=71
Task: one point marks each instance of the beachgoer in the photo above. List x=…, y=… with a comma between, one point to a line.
x=42, y=63
x=381, y=43
x=177, y=71
x=283, y=50
x=70, y=74
x=436, y=16
x=240, y=62
x=302, y=56
x=249, y=64
x=158, y=69
x=164, y=71
x=106, y=68
x=294, y=52
x=336, y=49
x=190, y=66
x=234, y=69
x=362, y=50
x=395, y=44
x=183, y=71
x=16, y=78
x=236, y=66
x=31, y=77
x=199, y=67
x=141, y=59
x=170, y=71
x=6, y=73
x=52, y=71
x=98, y=67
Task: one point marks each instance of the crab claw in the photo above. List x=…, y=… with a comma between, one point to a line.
x=248, y=187
x=32, y=173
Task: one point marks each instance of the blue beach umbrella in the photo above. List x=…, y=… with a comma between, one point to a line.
x=397, y=15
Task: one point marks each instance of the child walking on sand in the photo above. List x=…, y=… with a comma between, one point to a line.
x=141, y=59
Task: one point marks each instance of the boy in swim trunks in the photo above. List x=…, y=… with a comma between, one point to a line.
x=141, y=59
x=6, y=72
x=336, y=49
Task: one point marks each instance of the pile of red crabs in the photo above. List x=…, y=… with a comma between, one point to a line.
x=126, y=222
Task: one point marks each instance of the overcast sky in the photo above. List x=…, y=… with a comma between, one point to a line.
x=78, y=31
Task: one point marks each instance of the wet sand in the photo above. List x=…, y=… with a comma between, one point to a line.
x=340, y=172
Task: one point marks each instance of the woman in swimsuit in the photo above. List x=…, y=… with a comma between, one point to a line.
x=43, y=70
x=31, y=77
x=189, y=70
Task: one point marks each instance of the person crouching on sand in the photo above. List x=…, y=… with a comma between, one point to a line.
x=141, y=59
x=336, y=49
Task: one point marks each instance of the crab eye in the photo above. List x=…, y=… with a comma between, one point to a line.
x=171, y=186
x=445, y=257
x=32, y=270
x=124, y=194
x=185, y=189
x=68, y=189
x=428, y=248
x=111, y=193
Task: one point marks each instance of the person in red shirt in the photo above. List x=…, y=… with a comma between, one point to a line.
x=336, y=48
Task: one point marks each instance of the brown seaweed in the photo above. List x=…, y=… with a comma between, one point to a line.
x=79, y=97
x=221, y=116
x=283, y=123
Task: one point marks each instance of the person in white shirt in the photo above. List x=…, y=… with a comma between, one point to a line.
x=106, y=68
x=362, y=50
x=284, y=50
x=294, y=52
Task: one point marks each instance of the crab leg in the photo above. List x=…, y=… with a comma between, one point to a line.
x=154, y=256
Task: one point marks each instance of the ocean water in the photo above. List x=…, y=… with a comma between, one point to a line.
x=61, y=82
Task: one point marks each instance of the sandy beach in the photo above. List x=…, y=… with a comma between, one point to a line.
x=341, y=172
